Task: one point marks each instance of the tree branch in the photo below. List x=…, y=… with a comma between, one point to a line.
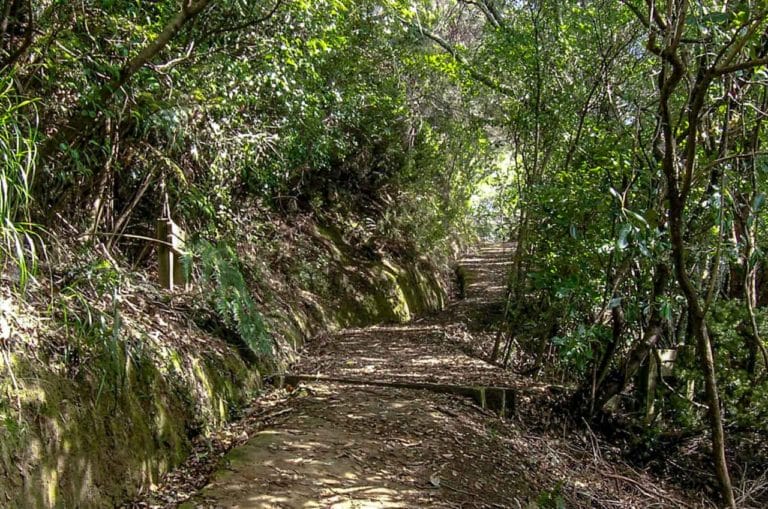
x=637, y=12
x=748, y=64
x=486, y=80
x=29, y=33
x=6, y=17
x=79, y=125
x=491, y=6
x=654, y=14
x=189, y=11
x=245, y=24
x=737, y=44
x=487, y=12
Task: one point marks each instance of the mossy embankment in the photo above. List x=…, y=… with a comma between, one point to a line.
x=353, y=286
x=103, y=390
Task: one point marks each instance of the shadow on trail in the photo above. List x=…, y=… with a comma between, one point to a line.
x=447, y=347
x=366, y=447
x=485, y=272
x=416, y=353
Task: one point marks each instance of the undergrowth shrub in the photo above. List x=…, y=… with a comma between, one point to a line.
x=739, y=383
x=88, y=309
x=18, y=234
x=231, y=298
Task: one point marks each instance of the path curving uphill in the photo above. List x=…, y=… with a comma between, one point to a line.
x=376, y=418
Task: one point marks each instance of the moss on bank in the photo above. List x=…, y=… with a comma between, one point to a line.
x=91, y=442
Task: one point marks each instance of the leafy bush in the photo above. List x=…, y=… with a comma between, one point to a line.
x=741, y=386
x=232, y=300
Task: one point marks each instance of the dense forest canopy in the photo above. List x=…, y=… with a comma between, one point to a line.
x=618, y=144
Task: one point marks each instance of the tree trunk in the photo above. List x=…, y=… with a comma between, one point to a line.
x=613, y=383
x=617, y=331
x=703, y=343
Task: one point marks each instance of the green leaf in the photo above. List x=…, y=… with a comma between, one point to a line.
x=713, y=18
x=622, y=242
x=666, y=310
x=637, y=217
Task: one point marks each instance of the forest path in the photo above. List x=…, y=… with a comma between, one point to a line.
x=365, y=446
x=442, y=348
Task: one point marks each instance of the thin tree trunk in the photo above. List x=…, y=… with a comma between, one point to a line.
x=79, y=125
x=614, y=382
x=103, y=203
x=750, y=298
x=6, y=18
x=617, y=331
x=678, y=172
x=29, y=35
x=750, y=271
x=503, y=328
x=701, y=333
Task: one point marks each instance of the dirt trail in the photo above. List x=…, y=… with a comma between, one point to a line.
x=349, y=446
x=437, y=349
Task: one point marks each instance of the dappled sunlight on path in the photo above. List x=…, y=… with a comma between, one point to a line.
x=434, y=349
x=365, y=446
x=360, y=447
x=381, y=436
x=486, y=271
x=418, y=353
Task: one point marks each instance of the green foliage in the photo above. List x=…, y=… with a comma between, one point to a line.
x=231, y=298
x=578, y=347
x=88, y=308
x=551, y=499
x=18, y=235
x=741, y=392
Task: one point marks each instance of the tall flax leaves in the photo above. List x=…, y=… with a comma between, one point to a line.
x=17, y=166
